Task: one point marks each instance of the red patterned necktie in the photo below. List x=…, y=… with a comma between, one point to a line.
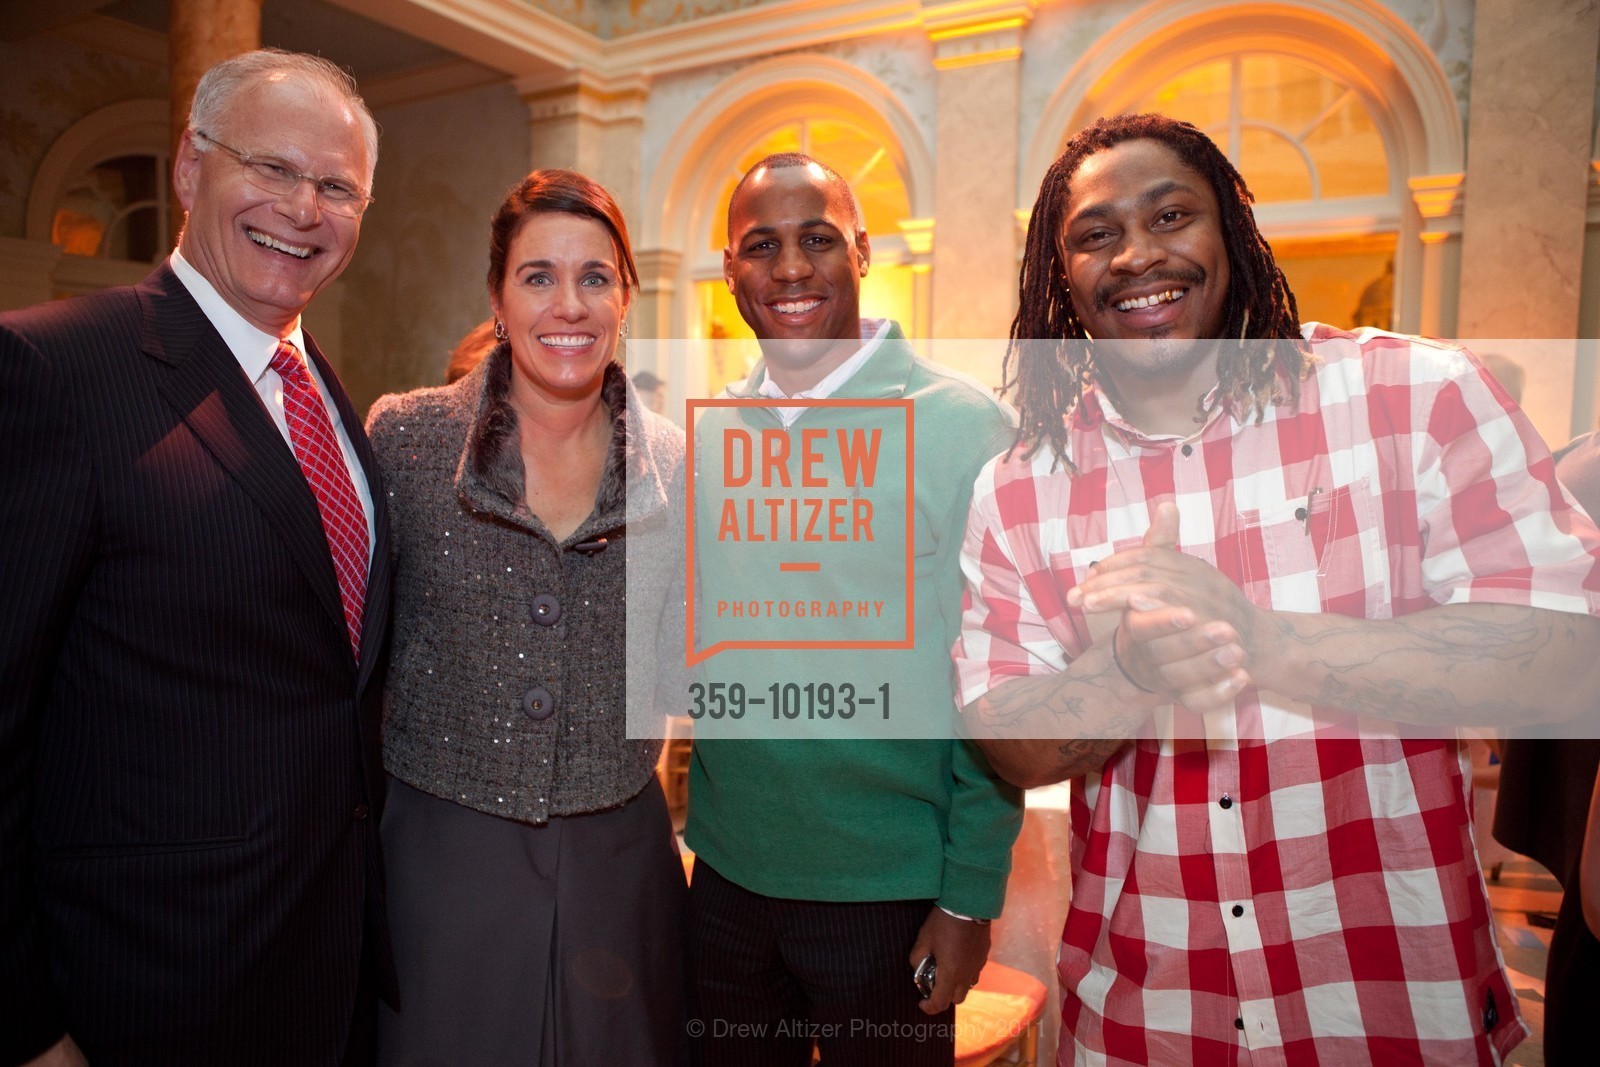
x=322, y=462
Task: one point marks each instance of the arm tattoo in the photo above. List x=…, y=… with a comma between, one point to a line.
x=1463, y=664
x=1076, y=720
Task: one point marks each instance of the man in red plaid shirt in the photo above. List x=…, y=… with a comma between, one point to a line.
x=1210, y=583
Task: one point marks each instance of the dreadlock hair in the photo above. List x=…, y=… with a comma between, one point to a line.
x=1259, y=303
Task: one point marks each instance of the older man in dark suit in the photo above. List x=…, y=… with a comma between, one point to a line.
x=196, y=586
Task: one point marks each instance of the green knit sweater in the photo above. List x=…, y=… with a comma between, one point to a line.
x=837, y=818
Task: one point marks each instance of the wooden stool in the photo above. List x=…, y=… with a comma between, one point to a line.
x=1000, y=1018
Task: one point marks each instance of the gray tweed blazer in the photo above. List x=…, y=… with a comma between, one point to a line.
x=508, y=687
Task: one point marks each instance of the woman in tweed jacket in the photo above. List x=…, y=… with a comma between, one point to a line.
x=534, y=884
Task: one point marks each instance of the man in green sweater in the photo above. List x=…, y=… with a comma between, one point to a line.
x=828, y=868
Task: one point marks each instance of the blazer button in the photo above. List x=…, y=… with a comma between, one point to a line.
x=361, y=812
x=546, y=610
x=538, y=704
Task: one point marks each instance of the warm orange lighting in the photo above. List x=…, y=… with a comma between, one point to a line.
x=973, y=59
x=1435, y=194
x=972, y=29
x=918, y=234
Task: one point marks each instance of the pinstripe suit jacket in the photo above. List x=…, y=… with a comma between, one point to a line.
x=189, y=763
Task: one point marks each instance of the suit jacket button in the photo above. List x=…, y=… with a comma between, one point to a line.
x=546, y=609
x=361, y=812
x=538, y=704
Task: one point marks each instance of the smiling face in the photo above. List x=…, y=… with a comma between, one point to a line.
x=794, y=263
x=1146, y=261
x=562, y=302
x=268, y=255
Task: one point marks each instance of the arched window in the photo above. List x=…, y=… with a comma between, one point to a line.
x=101, y=194
x=1298, y=133
x=852, y=151
x=1303, y=140
x=117, y=209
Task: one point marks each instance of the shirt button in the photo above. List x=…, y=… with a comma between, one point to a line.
x=1238, y=910
x=1188, y=450
x=538, y=704
x=1238, y=1024
x=1226, y=802
x=361, y=812
x=546, y=609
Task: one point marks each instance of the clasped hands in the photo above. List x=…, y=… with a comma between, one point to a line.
x=1185, y=632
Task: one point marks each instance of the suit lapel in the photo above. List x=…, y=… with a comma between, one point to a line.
x=375, y=613
x=222, y=409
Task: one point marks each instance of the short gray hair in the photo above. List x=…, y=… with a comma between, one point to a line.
x=219, y=84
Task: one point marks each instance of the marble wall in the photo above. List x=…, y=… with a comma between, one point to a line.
x=416, y=283
x=1530, y=137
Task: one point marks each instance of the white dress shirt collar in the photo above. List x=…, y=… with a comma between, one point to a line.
x=253, y=348
x=873, y=331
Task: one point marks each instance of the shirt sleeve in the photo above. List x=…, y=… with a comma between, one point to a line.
x=985, y=818
x=985, y=812
x=1004, y=634
x=1495, y=525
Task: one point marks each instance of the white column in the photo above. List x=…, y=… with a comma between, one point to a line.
x=1430, y=307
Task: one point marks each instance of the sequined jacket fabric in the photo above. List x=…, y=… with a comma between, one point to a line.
x=508, y=683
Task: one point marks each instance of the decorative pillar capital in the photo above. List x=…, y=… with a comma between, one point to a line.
x=585, y=95
x=1438, y=198
x=658, y=268
x=918, y=234
x=967, y=33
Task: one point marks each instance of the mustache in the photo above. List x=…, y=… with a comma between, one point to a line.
x=1107, y=295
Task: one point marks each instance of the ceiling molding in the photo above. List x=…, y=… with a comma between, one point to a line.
x=527, y=42
x=97, y=33
x=425, y=83
x=524, y=42
x=506, y=35
x=757, y=31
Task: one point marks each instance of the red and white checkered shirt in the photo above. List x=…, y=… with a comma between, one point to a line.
x=1267, y=890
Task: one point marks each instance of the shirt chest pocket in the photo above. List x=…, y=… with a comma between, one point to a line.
x=1320, y=553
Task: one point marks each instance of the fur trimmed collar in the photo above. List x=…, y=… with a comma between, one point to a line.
x=492, y=458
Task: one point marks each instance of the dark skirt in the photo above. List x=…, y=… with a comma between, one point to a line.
x=540, y=945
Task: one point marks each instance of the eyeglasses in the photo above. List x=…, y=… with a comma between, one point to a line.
x=337, y=196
